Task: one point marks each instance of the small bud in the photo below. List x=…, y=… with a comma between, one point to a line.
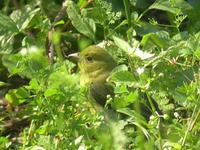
x=166, y=116
x=108, y=96
x=151, y=117
x=176, y=115
x=140, y=71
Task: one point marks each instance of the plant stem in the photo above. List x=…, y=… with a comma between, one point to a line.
x=127, y=11
x=188, y=128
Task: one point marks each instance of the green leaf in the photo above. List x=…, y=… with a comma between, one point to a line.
x=121, y=100
x=3, y=83
x=115, y=74
x=17, y=96
x=84, y=25
x=94, y=14
x=4, y=142
x=6, y=42
x=121, y=89
x=197, y=53
x=8, y=29
x=120, y=68
x=160, y=39
x=10, y=26
x=173, y=7
x=82, y=3
x=122, y=44
x=61, y=22
x=50, y=92
x=27, y=63
x=7, y=25
x=131, y=97
x=122, y=76
x=173, y=145
x=181, y=36
x=132, y=51
x=131, y=113
x=23, y=17
x=164, y=5
x=137, y=120
x=13, y=63
x=36, y=147
x=33, y=84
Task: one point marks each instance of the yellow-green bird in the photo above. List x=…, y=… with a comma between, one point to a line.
x=95, y=66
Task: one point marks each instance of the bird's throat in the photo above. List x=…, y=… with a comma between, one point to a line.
x=98, y=76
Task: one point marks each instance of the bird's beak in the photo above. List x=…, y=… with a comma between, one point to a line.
x=74, y=57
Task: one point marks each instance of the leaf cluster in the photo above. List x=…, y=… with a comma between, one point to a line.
x=156, y=45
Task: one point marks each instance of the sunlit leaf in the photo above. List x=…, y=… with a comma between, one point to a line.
x=85, y=26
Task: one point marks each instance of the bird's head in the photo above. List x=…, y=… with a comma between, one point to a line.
x=95, y=65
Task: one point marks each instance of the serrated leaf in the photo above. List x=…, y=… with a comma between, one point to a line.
x=137, y=120
x=8, y=29
x=28, y=66
x=122, y=44
x=121, y=68
x=164, y=5
x=132, y=51
x=84, y=25
x=133, y=96
x=7, y=25
x=6, y=42
x=160, y=39
x=173, y=7
x=23, y=17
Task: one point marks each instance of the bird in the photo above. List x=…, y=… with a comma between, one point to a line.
x=96, y=65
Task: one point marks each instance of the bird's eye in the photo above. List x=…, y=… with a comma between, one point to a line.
x=89, y=58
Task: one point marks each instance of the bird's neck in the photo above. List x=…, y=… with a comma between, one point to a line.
x=98, y=76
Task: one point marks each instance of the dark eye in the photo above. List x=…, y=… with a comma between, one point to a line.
x=89, y=58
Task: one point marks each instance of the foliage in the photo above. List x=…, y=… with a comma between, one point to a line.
x=156, y=45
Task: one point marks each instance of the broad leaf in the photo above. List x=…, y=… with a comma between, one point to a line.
x=85, y=26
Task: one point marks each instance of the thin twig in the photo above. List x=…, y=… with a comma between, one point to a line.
x=50, y=47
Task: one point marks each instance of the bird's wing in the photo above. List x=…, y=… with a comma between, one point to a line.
x=99, y=92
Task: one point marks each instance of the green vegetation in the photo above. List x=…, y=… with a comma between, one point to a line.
x=156, y=44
